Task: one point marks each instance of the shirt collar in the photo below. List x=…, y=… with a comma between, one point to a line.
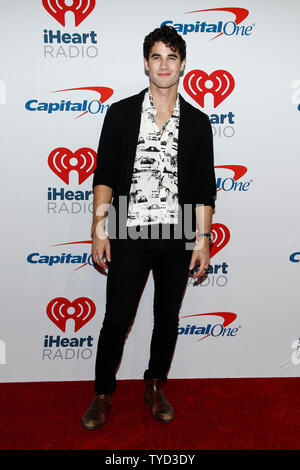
x=148, y=104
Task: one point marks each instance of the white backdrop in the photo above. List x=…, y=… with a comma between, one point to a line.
x=245, y=316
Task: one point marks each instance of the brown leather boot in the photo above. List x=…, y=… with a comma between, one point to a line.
x=155, y=399
x=95, y=415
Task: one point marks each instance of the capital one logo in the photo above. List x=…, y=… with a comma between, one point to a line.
x=295, y=257
x=60, y=310
x=93, y=107
x=62, y=161
x=232, y=27
x=232, y=182
x=198, y=83
x=58, y=8
x=216, y=330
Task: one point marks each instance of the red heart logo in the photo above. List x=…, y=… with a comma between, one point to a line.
x=58, y=9
x=198, y=83
x=59, y=160
x=58, y=312
x=220, y=238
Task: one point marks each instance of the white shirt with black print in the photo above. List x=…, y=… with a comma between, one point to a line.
x=154, y=185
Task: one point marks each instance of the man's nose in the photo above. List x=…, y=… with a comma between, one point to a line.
x=164, y=63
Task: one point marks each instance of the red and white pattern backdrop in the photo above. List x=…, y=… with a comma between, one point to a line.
x=63, y=63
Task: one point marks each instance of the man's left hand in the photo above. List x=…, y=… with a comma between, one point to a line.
x=200, y=256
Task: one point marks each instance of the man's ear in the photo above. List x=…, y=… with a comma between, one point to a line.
x=146, y=64
x=182, y=65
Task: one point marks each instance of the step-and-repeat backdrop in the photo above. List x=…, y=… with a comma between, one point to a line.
x=63, y=63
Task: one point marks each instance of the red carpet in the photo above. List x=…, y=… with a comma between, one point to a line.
x=210, y=414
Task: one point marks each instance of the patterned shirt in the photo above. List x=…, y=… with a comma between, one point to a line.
x=154, y=186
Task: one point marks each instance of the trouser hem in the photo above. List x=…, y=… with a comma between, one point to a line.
x=152, y=375
x=104, y=390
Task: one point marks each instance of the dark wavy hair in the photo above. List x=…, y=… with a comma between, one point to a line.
x=169, y=36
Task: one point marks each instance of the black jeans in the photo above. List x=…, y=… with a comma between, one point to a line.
x=131, y=261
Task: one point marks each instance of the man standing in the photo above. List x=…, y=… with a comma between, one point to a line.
x=155, y=152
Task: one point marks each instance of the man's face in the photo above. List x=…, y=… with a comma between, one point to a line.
x=164, y=66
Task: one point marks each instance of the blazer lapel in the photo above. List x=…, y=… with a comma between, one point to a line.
x=133, y=127
x=182, y=136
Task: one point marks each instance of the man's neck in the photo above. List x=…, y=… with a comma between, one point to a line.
x=164, y=98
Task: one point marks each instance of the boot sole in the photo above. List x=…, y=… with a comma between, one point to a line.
x=161, y=420
x=90, y=428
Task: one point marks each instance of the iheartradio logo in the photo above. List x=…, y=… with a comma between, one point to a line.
x=58, y=8
x=220, y=238
x=198, y=83
x=81, y=310
x=62, y=161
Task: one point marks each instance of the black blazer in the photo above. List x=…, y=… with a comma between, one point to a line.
x=117, y=150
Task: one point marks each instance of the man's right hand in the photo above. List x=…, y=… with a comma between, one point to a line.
x=100, y=241
x=101, y=251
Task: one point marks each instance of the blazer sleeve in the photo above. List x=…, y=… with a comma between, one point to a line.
x=108, y=151
x=204, y=183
